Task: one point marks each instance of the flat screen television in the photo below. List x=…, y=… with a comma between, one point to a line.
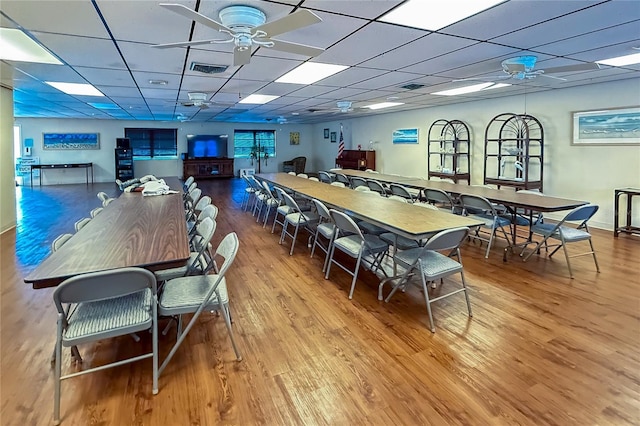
x=207, y=146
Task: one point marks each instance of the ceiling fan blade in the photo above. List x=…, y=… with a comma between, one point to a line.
x=298, y=19
x=195, y=16
x=551, y=76
x=571, y=68
x=241, y=57
x=489, y=78
x=189, y=43
x=515, y=68
x=300, y=49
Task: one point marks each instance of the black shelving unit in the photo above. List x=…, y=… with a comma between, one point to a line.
x=513, y=152
x=448, y=150
x=124, y=163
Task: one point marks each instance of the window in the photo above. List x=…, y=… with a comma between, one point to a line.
x=153, y=143
x=247, y=142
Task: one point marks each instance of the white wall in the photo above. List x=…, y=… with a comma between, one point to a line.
x=109, y=130
x=7, y=168
x=588, y=173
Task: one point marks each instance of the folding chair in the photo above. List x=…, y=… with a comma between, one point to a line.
x=325, y=228
x=432, y=266
x=106, y=304
x=488, y=214
x=296, y=218
x=567, y=234
x=195, y=294
x=367, y=249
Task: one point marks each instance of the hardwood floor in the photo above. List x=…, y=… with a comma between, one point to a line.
x=541, y=348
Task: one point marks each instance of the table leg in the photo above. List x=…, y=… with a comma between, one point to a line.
x=31, y=174
x=629, y=203
x=616, y=202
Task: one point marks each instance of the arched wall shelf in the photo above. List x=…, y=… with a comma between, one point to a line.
x=448, y=150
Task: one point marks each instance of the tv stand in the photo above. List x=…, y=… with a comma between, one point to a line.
x=207, y=168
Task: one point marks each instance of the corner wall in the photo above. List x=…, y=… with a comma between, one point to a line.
x=7, y=168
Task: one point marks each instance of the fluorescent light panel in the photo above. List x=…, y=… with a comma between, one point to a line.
x=258, y=99
x=384, y=105
x=463, y=90
x=621, y=61
x=310, y=72
x=433, y=15
x=75, y=88
x=17, y=46
x=103, y=106
x=497, y=86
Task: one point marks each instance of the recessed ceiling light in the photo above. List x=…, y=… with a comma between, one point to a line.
x=310, y=72
x=295, y=113
x=258, y=99
x=75, y=88
x=621, y=61
x=160, y=82
x=384, y=105
x=433, y=15
x=497, y=86
x=392, y=98
x=463, y=90
x=17, y=46
x=103, y=106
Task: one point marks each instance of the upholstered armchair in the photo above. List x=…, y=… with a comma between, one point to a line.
x=296, y=165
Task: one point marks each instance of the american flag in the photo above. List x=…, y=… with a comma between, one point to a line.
x=341, y=143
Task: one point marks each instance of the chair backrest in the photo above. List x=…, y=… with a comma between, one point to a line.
x=204, y=233
x=448, y=239
x=322, y=210
x=202, y=203
x=340, y=184
x=227, y=249
x=103, y=285
x=477, y=202
x=210, y=210
x=344, y=223
x=95, y=212
x=289, y=201
x=581, y=214
x=376, y=186
x=357, y=182
x=267, y=189
x=371, y=171
x=102, y=196
x=81, y=223
x=191, y=187
x=341, y=177
x=59, y=241
x=313, y=178
x=187, y=183
x=108, y=201
x=194, y=197
x=324, y=177
x=291, y=173
x=303, y=175
x=437, y=196
x=400, y=191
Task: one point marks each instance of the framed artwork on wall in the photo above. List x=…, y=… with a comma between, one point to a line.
x=294, y=138
x=333, y=137
x=326, y=133
x=607, y=127
x=67, y=141
x=405, y=136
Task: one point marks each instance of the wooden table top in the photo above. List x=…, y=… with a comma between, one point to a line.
x=133, y=230
x=404, y=219
x=507, y=197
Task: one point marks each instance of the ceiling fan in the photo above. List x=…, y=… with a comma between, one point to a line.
x=196, y=99
x=247, y=28
x=523, y=68
x=341, y=107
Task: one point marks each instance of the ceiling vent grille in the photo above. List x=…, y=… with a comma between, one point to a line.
x=207, y=68
x=412, y=86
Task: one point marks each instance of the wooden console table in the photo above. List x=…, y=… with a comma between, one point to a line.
x=628, y=229
x=202, y=168
x=42, y=167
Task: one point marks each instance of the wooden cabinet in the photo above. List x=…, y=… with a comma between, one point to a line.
x=514, y=148
x=124, y=163
x=357, y=160
x=448, y=150
x=203, y=168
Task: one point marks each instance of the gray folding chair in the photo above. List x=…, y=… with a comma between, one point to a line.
x=59, y=241
x=485, y=211
x=297, y=219
x=432, y=266
x=376, y=186
x=106, y=304
x=367, y=249
x=282, y=210
x=357, y=182
x=81, y=223
x=567, y=234
x=324, y=177
x=324, y=229
x=439, y=198
x=195, y=294
x=341, y=177
x=401, y=191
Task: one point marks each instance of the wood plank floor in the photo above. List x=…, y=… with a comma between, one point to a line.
x=541, y=348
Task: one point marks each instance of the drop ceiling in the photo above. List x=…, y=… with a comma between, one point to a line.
x=107, y=44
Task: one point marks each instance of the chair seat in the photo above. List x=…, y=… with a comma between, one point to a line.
x=351, y=245
x=186, y=294
x=489, y=222
x=326, y=229
x=284, y=210
x=434, y=264
x=301, y=218
x=171, y=273
x=92, y=319
x=516, y=220
x=568, y=233
x=370, y=228
x=398, y=241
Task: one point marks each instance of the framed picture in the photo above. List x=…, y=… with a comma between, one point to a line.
x=326, y=133
x=405, y=136
x=294, y=138
x=333, y=137
x=607, y=127
x=70, y=141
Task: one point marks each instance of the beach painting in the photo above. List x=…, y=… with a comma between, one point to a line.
x=607, y=127
x=405, y=136
x=70, y=141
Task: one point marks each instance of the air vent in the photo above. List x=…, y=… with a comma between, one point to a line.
x=207, y=68
x=412, y=86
